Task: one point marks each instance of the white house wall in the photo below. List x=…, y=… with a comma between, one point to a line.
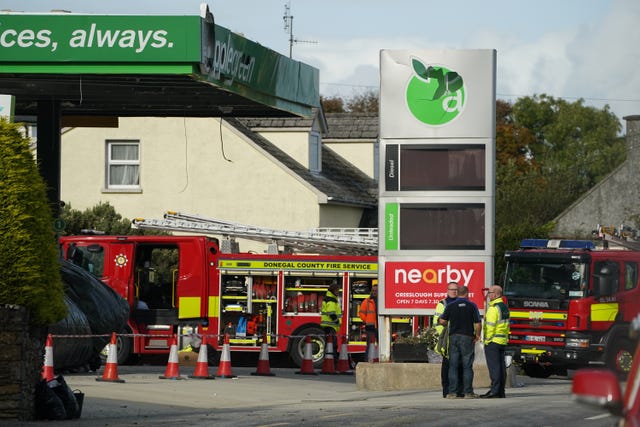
x=293, y=142
x=360, y=154
x=339, y=216
x=186, y=166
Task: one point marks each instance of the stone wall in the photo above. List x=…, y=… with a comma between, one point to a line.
x=613, y=201
x=410, y=376
x=21, y=358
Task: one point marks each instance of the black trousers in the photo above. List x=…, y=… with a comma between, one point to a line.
x=494, y=355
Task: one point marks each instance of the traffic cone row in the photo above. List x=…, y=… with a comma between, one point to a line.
x=307, y=361
x=173, y=365
x=110, y=373
x=263, y=367
x=47, y=368
x=328, y=365
x=201, y=371
x=224, y=367
x=202, y=365
x=344, y=367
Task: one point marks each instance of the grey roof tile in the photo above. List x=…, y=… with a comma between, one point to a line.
x=352, y=126
x=356, y=126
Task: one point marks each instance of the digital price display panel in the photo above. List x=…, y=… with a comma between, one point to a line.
x=435, y=167
x=435, y=226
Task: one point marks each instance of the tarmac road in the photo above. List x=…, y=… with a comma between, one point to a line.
x=289, y=399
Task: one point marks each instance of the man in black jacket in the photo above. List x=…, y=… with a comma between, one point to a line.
x=464, y=322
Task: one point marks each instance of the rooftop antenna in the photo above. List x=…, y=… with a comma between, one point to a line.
x=288, y=27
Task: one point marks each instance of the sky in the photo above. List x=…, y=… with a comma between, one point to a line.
x=568, y=49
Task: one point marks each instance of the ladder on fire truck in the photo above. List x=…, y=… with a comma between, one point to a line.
x=343, y=241
x=617, y=237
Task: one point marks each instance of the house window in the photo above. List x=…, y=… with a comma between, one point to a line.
x=123, y=164
x=315, y=152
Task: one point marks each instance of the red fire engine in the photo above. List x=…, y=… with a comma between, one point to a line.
x=571, y=305
x=178, y=282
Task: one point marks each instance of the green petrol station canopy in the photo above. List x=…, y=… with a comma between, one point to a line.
x=135, y=65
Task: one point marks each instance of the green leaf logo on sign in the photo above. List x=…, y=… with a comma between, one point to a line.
x=435, y=94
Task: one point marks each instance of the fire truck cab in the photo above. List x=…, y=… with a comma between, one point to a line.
x=181, y=284
x=571, y=305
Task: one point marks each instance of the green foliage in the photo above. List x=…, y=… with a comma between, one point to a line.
x=102, y=217
x=332, y=104
x=424, y=336
x=29, y=265
x=581, y=141
x=549, y=152
x=508, y=238
x=366, y=102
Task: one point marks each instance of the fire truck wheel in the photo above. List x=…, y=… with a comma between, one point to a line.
x=620, y=357
x=537, y=371
x=296, y=349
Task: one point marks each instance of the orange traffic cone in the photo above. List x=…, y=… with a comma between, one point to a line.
x=263, y=361
x=329, y=363
x=224, y=368
x=372, y=351
x=110, y=373
x=307, y=361
x=47, y=368
x=173, y=365
x=344, y=368
x=202, y=365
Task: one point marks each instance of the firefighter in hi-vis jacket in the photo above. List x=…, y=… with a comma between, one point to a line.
x=331, y=316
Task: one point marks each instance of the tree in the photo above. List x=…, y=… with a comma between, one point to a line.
x=513, y=141
x=102, y=217
x=333, y=104
x=549, y=152
x=29, y=266
x=366, y=102
x=571, y=137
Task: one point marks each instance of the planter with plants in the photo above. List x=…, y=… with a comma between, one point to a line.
x=416, y=348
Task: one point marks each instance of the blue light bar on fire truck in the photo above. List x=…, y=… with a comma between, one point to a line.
x=556, y=244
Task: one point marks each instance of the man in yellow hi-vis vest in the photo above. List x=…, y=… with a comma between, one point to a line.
x=331, y=316
x=496, y=335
